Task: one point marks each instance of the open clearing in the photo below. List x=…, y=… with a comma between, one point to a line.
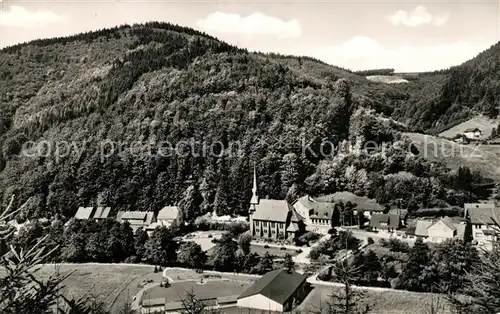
x=481, y=122
x=480, y=157
x=382, y=302
x=209, y=289
x=388, y=79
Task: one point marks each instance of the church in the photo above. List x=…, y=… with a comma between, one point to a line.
x=273, y=219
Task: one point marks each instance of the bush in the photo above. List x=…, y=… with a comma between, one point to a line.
x=396, y=245
x=132, y=259
x=266, y=246
x=299, y=251
x=332, y=231
x=282, y=248
x=370, y=240
x=383, y=242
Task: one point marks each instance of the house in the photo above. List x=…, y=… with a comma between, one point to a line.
x=136, y=219
x=472, y=133
x=480, y=216
x=360, y=203
x=273, y=219
x=318, y=216
x=439, y=230
x=101, y=213
x=276, y=291
x=84, y=213
x=168, y=215
x=387, y=222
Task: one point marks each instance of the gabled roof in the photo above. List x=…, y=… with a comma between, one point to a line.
x=362, y=202
x=84, y=213
x=168, y=213
x=102, y=212
x=277, y=285
x=471, y=130
x=481, y=214
x=390, y=221
x=317, y=209
x=422, y=226
x=129, y=215
x=274, y=210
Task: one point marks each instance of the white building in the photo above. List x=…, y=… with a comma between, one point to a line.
x=472, y=133
x=168, y=215
x=480, y=216
x=276, y=291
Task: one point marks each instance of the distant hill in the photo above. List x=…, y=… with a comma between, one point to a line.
x=99, y=118
x=439, y=100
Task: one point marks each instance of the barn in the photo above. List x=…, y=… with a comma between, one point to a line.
x=276, y=291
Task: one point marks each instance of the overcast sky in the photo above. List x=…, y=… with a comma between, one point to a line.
x=407, y=36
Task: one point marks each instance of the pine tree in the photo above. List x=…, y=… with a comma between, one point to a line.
x=348, y=300
x=288, y=263
x=412, y=275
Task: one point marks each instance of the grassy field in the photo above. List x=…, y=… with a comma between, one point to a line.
x=209, y=289
x=484, y=158
x=381, y=302
x=483, y=123
x=113, y=284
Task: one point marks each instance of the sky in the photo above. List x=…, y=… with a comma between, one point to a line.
x=405, y=35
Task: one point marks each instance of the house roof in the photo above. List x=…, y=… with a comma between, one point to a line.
x=136, y=218
x=277, y=285
x=471, y=130
x=168, y=213
x=275, y=210
x=422, y=226
x=362, y=202
x=102, y=212
x=84, y=213
x=391, y=221
x=134, y=215
x=318, y=209
x=480, y=214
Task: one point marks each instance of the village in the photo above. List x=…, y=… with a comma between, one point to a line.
x=291, y=234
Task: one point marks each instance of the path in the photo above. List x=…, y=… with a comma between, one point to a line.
x=303, y=257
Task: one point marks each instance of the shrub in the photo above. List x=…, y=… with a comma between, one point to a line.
x=266, y=246
x=299, y=251
x=370, y=240
x=282, y=248
x=383, y=242
x=396, y=245
x=132, y=259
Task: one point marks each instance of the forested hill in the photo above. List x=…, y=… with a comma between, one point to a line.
x=442, y=99
x=110, y=100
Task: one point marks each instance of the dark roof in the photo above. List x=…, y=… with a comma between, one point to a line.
x=277, y=285
x=480, y=214
x=472, y=130
x=317, y=209
x=391, y=221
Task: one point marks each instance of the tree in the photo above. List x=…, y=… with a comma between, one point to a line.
x=481, y=286
x=244, y=243
x=161, y=249
x=288, y=263
x=190, y=203
x=191, y=254
x=371, y=267
x=191, y=305
x=265, y=264
x=348, y=300
x=413, y=274
x=140, y=239
x=224, y=258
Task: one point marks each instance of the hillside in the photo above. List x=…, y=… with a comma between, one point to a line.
x=485, y=124
x=136, y=118
x=478, y=157
x=442, y=99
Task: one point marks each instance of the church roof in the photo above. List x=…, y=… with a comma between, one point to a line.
x=275, y=210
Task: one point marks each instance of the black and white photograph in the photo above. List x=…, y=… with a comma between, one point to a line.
x=249, y=157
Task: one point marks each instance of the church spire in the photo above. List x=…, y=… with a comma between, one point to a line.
x=255, y=199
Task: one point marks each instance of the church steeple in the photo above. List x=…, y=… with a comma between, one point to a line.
x=255, y=199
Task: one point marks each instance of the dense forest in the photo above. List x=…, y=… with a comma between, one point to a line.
x=85, y=120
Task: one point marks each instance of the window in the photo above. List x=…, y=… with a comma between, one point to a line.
x=479, y=234
x=273, y=225
x=264, y=224
x=273, y=231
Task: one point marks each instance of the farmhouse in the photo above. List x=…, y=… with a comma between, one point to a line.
x=136, y=219
x=387, y=222
x=273, y=219
x=472, y=133
x=276, y=291
x=480, y=217
x=168, y=215
x=318, y=216
x=442, y=229
x=87, y=213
